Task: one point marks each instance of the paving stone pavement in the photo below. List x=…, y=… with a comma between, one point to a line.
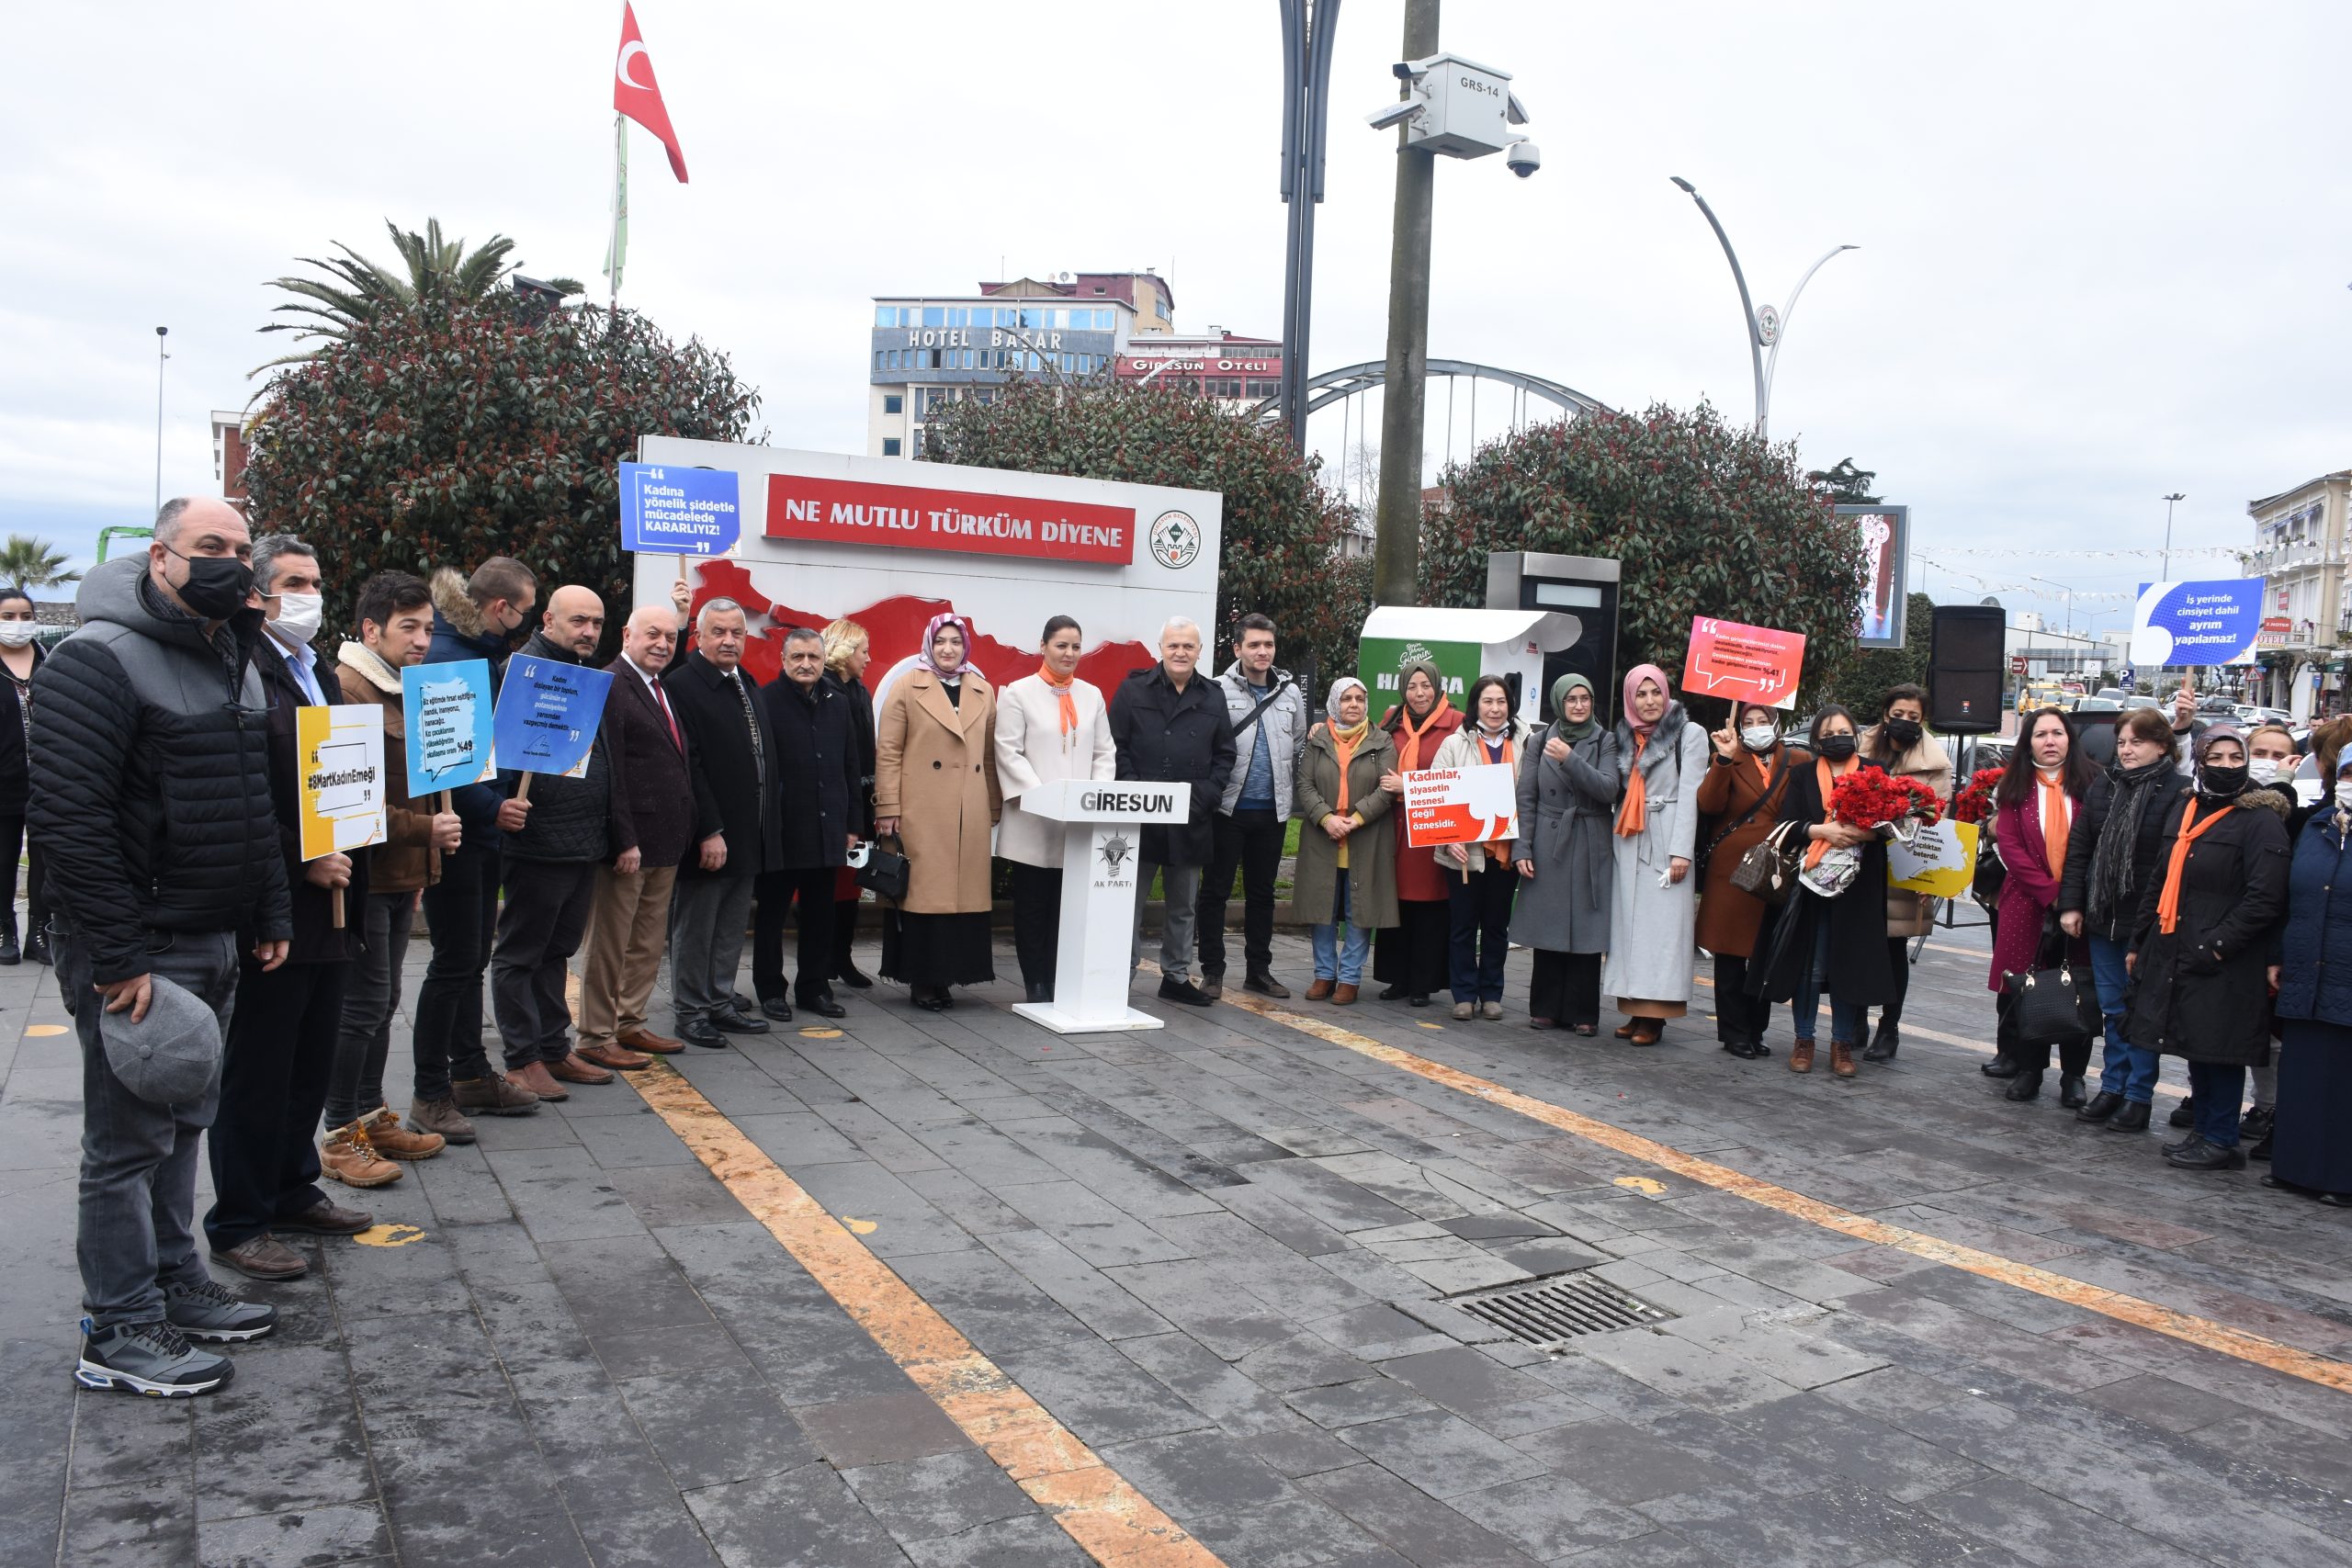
x=1221, y=1255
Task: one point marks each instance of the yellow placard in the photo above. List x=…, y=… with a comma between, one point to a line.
x=339, y=763
x=1941, y=861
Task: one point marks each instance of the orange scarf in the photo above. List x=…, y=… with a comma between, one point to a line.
x=1495, y=850
x=2055, y=820
x=2168, y=902
x=1825, y=778
x=1344, y=742
x=1408, y=753
x=1062, y=689
x=1634, y=815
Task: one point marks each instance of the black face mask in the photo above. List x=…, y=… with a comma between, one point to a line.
x=216, y=586
x=1836, y=748
x=1904, y=732
x=2222, y=781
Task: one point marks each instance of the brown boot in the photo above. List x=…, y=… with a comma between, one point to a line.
x=539, y=1080
x=497, y=1095
x=617, y=1057
x=1343, y=996
x=443, y=1116
x=1321, y=991
x=1800, y=1056
x=1841, y=1059
x=352, y=1159
x=394, y=1141
x=576, y=1069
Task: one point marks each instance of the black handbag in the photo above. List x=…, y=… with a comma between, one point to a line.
x=884, y=873
x=1769, y=870
x=1991, y=875
x=2053, y=1006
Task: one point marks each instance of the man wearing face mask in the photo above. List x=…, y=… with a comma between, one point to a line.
x=281, y=1045
x=482, y=616
x=151, y=801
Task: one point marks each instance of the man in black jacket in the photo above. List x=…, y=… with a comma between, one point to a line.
x=817, y=759
x=553, y=843
x=281, y=1043
x=738, y=829
x=1171, y=725
x=151, y=801
x=473, y=617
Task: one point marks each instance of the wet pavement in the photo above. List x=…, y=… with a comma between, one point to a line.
x=951, y=1290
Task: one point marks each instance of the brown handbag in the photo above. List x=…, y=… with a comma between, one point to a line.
x=1768, y=872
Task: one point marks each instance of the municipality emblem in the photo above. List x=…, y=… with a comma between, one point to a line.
x=1175, y=540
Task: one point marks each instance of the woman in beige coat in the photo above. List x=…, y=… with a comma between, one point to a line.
x=1345, y=876
x=1900, y=743
x=1049, y=727
x=935, y=791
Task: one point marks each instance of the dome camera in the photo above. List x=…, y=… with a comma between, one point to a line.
x=1524, y=158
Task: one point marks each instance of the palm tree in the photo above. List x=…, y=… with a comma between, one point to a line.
x=430, y=267
x=32, y=563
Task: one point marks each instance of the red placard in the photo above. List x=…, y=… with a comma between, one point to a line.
x=1747, y=664
x=915, y=518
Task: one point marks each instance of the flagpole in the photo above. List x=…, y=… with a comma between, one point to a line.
x=621, y=196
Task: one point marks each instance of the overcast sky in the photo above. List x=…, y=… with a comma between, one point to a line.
x=2103, y=249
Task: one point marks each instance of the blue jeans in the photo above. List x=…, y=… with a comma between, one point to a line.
x=1334, y=960
x=1848, y=1020
x=2130, y=1070
x=2218, y=1091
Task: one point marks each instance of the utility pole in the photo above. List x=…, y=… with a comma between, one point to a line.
x=2164, y=573
x=160, y=358
x=1308, y=26
x=1396, y=549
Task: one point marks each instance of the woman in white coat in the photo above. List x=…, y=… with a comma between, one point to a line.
x=1049, y=727
x=1481, y=878
x=1661, y=760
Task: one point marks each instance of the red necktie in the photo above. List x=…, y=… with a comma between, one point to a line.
x=660, y=697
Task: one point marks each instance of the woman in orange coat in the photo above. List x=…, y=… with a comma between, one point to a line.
x=1414, y=955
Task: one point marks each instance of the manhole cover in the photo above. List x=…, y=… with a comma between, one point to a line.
x=1551, y=1312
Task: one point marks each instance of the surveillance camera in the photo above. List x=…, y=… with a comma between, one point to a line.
x=1523, y=159
x=1396, y=113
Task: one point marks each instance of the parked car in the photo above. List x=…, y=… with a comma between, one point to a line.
x=2136, y=701
x=2098, y=704
x=2250, y=715
x=2113, y=694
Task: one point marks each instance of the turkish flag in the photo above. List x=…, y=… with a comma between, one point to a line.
x=635, y=95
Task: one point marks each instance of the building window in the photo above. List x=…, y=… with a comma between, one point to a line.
x=1219, y=387
x=889, y=446
x=1265, y=388
x=894, y=403
x=931, y=401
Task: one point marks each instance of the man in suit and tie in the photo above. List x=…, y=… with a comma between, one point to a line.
x=631, y=908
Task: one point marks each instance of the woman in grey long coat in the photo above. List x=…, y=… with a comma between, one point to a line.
x=1661, y=760
x=1567, y=784
x=1346, y=875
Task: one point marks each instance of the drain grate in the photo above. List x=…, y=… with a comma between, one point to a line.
x=1551, y=1312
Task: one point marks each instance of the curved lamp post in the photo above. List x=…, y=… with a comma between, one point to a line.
x=1766, y=327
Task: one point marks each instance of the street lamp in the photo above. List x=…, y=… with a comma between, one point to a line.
x=1766, y=327
x=2165, y=574
x=2064, y=592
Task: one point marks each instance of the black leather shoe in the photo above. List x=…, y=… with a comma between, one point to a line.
x=2026, y=1085
x=1265, y=985
x=744, y=1004
x=1039, y=994
x=1419, y=999
x=1884, y=1044
x=703, y=1033
x=2102, y=1106
x=2185, y=1114
x=2260, y=1151
x=9, y=951
x=2132, y=1118
x=1999, y=1067
x=1394, y=994
x=777, y=1009
x=2070, y=1092
x=1171, y=989
x=931, y=998
x=1745, y=1050
x=857, y=979
x=2256, y=1124
x=2203, y=1156
x=727, y=1021
x=825, y=1007
x=37, y=947
x=2181, y=1145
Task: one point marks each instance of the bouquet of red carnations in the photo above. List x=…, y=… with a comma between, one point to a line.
x=1974, y=802
x=1869, y=798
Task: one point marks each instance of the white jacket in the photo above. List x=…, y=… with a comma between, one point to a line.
x=1031, y=750
x=1461, y=750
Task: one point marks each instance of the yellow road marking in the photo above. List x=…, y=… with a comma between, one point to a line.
x=2202, y=1332
x=44, y=1029
x=388, y=1235
x=1649, y=1186
x=861, y=1227
x=821, y=1034
x=1096, y=1506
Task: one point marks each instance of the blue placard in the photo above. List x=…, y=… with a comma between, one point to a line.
x=2196, y=623
x=447, y=710
x=548, y=713
x=667, y=510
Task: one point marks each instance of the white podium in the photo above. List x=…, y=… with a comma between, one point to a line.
x=1101, y=844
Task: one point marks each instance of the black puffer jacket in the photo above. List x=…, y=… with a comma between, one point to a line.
x=2082, y=847
x=571, y=820
x=151, y=801
x=1163, y=734
x=2201, y=990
